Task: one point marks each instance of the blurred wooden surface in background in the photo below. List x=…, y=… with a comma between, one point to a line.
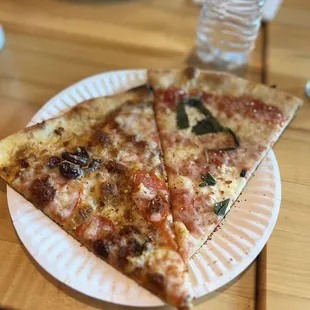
x=52, y=44
x=287, y=259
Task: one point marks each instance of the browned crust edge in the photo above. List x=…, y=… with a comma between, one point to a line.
x=224, y=83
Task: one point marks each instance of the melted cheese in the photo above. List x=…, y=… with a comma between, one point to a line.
x=155, y=161
x=126, y=156
x=181, y=182
x=91, y=231
x=178, y=155
x=221, y=190
x=194, y=115
x=156, y=217
x=144, y=193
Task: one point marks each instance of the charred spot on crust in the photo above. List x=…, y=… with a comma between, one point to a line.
x=23, y=163
x=5, y=169
x=35, y=127
x=113, y=166
x=142, y=88
x=128, y=229
x=41, y=191
x=102, y=248
x=40, y=125
x=81, y=107
x=58, y=131
x=102, y=137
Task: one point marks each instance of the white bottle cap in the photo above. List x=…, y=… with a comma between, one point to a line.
x=270, y=9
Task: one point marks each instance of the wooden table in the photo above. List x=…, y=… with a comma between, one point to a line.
x=52, y=44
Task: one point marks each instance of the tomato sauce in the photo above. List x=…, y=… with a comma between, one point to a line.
x=171, y=96
x=244, y=106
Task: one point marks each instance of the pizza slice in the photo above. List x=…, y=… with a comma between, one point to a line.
x=215, y=129
x=97, y=171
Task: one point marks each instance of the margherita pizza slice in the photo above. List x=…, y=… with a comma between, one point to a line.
x=215, y=129
x=97, y=171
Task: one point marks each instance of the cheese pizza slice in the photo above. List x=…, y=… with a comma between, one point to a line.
x=97, y=171
x=215, y=129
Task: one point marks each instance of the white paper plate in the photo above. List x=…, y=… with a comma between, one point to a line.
x=232, y=248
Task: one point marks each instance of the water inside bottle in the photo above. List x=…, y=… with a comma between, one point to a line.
x=227, y=31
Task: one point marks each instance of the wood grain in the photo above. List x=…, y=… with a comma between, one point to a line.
x=285, y=265
x=52, y=44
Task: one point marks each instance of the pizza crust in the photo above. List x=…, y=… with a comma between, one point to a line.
x=225, y=84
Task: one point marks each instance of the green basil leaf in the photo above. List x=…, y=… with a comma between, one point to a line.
x=193, y=102
x=207, y=125
x=203, y=184
x=220, y=207
x=236, y=139
x=243, y=173
x=197, y=103
x=209, y=179
x=182, y=118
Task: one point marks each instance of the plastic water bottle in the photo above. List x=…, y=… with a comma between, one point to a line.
x=227, y=31
x=2, y=38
